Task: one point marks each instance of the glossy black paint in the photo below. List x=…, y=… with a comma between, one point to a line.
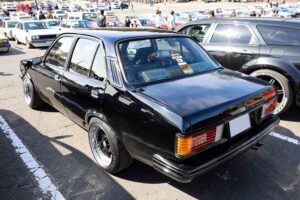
x=248, y=58
x=147, y=119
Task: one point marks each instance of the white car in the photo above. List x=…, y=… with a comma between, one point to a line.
x=52, y=23
x=6, y=28
x=9, y=7
x=34, y=33
x=67, y=25
x=4, y=44
x=21, y=16
x=58, y=14
x=3, y=17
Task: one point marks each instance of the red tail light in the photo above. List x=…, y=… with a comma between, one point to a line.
x=269, y=108
x=197, y=141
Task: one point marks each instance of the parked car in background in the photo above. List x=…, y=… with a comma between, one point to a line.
x=52, y=23
x=20, y=16
x=6, y=28
x=8, y=7
x=67, y=25
x=34, y=34
x=4, y=44
x=182, y=113
x=58, y=14
x=3, y=17
x=264, y=48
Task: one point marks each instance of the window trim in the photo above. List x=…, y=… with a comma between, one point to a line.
x=233, y=44
x=49, y=49
x=100, y=44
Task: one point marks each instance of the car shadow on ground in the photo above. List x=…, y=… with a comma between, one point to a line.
x=12, y=52
x=76, y=175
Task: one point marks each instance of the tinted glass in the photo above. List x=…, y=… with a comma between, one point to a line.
x=276, y=35
x=79, y=24
x=35, y=25
x=98, y=70
x=197, y=32
x=58, y=54
x=233, y=34
x=83, y=56
x=11, y=24
x=150, y=60
x=53, y=23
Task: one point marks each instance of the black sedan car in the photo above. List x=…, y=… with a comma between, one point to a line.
x=264, y=48
x=155, y=97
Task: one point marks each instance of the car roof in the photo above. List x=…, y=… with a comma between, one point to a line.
x=253, y=20
x=110, y=36
x=115, y=34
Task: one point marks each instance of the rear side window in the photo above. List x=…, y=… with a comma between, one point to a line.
x=58, y=54
x=98, y=70
x=83, y=56
x=233, y=34
x=276, y=35
x=197, y=32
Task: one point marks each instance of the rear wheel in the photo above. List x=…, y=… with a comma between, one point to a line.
x=17, y=41
x=32, y=98
x=107, y=149
x=282, y=85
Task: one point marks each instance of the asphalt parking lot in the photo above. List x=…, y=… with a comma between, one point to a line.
x=61, y=149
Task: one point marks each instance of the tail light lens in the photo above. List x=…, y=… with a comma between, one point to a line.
x=187, y=145
x=269, y=108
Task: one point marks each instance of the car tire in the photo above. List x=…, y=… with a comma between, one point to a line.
x=281, y=83
x=108, y=150
x=17, y=41
x=32, y=98
x=28, y=45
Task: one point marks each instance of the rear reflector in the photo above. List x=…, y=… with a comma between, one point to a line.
x=197, y=141
x=269, y=108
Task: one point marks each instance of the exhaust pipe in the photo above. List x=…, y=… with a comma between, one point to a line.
x=257, y=146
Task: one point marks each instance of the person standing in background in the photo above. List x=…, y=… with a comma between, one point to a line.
x=171, y=21
x=127, y=22
x=158, y=19
x=101, y=21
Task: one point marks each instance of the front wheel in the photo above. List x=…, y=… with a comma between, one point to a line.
x=32, y=99
x=28, y=44
x=107, y=149
x=282, y=85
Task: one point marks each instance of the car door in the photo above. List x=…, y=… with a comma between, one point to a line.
x=17, y=31
x=83, y=83
x=49, y=73
x=233, y=45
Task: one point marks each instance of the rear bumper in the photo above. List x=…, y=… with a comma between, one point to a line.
x=185, y=173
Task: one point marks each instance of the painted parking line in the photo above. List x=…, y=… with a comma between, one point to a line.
x=286, y=138
x=18, y=49
x=45, y=184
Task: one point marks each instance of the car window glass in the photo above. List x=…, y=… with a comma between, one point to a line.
x=233, y=34
x=58, y=54
x=133, y=47
x=276, y=35
x=83, y=56
x=98, y=70
x=197, y=32
x=165, y=58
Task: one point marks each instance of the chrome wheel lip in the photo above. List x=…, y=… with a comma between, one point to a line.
x=282, y=99
x=100, y=146
x=26, y=90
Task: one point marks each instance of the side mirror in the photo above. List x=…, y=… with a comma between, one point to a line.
x=36, y=61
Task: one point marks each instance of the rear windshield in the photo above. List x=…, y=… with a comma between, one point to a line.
x=11, y=24
x=277, y=35
x=151, y=60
